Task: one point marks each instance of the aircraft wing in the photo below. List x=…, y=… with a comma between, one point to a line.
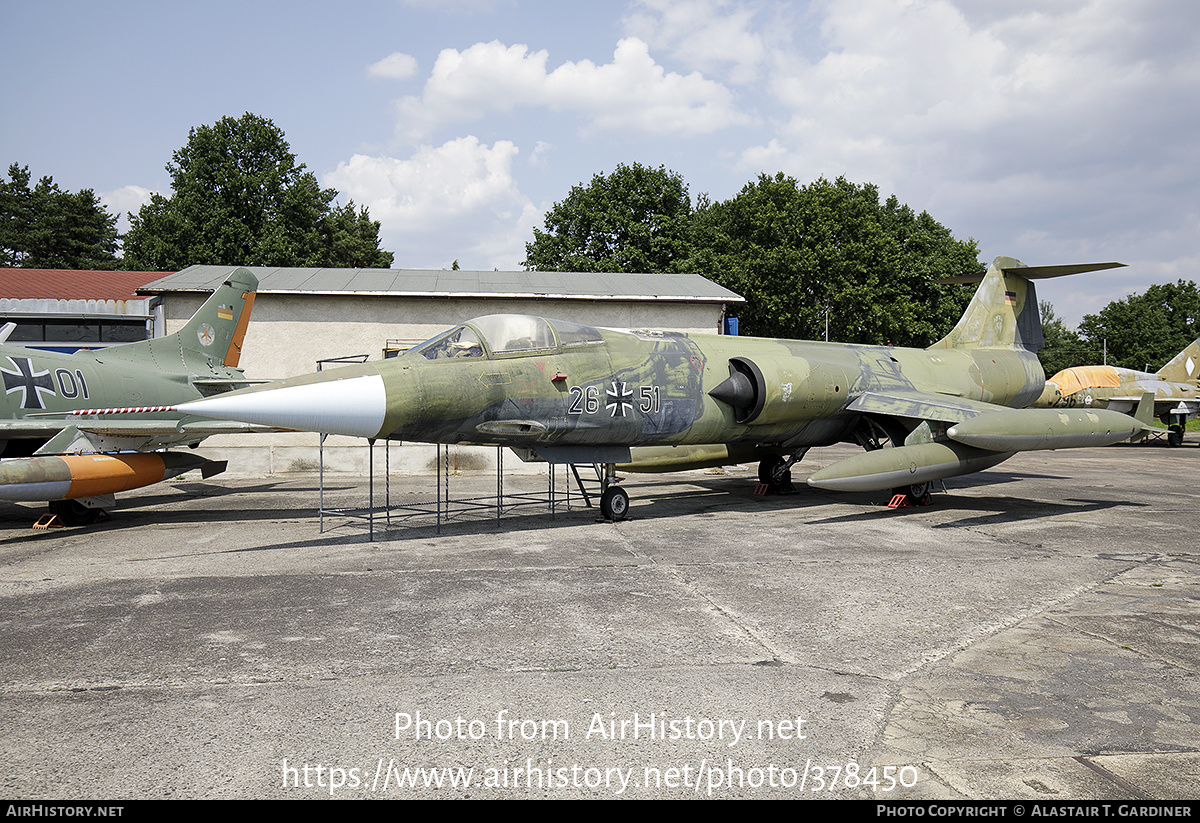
x=31, y=427
x=915, y=405
x=980, y=435
x=65, y=434
x=1190, y=407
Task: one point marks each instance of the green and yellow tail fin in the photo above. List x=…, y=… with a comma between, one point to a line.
x=212, y=336
x=1183, y=367
x=1004, y=311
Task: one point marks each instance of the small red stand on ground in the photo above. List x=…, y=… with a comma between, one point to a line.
x=904, y=501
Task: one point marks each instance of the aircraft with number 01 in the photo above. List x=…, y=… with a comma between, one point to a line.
x=663, y=401
x=76, y=428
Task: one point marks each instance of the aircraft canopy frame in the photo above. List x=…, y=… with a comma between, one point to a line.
x=501, y=335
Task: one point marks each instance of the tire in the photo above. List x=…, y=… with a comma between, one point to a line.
x=918, y=491
x=1175, y=435
x=614, y=503
x=74, y=513
x=766, y=472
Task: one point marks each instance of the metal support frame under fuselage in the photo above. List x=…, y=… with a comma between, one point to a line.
x=443, y=507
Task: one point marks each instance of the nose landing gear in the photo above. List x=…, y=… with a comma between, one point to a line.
x=614, y=501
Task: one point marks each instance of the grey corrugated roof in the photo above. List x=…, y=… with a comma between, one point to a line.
x=442, y=282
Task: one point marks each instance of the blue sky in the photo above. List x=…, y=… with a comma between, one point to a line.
x=1055, y=132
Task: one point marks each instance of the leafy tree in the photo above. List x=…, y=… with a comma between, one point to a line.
x=796, y=252
x=1149, y=329
x=1063, y=347
x=633, y=220
x=48, y=228
x=240, y=198
x=350, y=239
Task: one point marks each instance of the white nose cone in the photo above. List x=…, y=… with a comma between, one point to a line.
x=354, y=406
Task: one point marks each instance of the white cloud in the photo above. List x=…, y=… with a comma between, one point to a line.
x=454, y=201
x=632, y=93
x=1055, y=132
x=713, y=35
x=396, y=66
x=120, y=202
x=913, y=91
x=541, y=150
x=896, y=79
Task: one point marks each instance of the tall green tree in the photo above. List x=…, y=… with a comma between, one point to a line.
x=635, y=219
x=802, y=255
x=1146, y=330
x=239, y=197
x=350, y=239
x=45, y=227
x=1063, y=348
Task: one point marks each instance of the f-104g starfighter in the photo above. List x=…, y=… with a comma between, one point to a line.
x=663, y=401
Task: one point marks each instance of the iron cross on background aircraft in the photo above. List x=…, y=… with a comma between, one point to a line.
x=58, y=448
x=665, y=401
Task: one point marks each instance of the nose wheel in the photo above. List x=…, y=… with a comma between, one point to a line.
x=614, y=503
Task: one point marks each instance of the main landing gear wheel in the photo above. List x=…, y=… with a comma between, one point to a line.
x=1175, y=435
x=906, y=497
x=614, y=503
x=776, y=472
x=919, y=491
x=74, y=513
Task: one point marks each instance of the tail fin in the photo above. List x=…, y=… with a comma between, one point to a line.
x=213, y=337
x=1183, y=367
x=1004, y=311
x=1144, y=414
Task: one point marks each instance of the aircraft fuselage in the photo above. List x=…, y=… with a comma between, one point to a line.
x=653, y=388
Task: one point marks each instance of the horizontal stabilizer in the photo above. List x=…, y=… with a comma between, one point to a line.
x=1036, y=272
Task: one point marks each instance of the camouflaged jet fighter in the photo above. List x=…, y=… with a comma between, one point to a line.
x=1175, y=387
x=670, y=401
x=76, y=428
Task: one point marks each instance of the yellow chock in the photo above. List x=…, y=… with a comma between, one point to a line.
x=49, y=521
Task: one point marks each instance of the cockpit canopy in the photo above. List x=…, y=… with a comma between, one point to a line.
x=506, y=334
x=1078, y=378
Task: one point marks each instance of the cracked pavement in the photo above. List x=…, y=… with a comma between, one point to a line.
x=1034, y=634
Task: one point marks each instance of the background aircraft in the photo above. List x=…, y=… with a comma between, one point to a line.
x=576, y=394
x=80, y=427
x=1176, y=390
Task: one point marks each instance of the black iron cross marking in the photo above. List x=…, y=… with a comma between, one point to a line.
x=619, y=397
x=29, y=384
